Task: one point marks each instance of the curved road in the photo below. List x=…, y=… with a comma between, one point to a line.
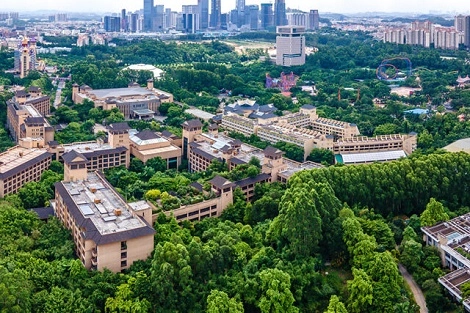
x=417, y=293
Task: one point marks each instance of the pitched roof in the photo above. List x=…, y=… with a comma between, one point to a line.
x=170, y=135
x=74, y=157
x=33, y=88
x=271, y=151
x=34, y=120
x=197, y=186
x=195, y=123
x=44, y=213
x=213, y=127
x=253, y=180
x=119, y=127
x=21, y=93
x=220, y=182
x=147, y=134
x=307, y=107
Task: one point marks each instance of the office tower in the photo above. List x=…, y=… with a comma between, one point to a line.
x=124, y=23
x=148, y=15
x=267, y=16
x=215, y=14
x=61, y=17
x=190, y=22
x=158, y=18
x=280, y=18
x=466, y=32
x=112, y=23
x=203, y=13
x=252, y=16
x=134, y=22
x=314, y=20
x=290, y=45
x=224, y=18
x=241, y=14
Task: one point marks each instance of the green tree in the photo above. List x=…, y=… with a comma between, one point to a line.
x=336, y=306
x=360, y=292
x=125, y=300
x=433, y=214
x=219, y=302
x=276, y=296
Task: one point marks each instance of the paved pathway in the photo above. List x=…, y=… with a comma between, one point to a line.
x=417, y=293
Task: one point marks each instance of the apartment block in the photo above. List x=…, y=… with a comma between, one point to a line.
x=134, y=102
x=19, y=166
x=108, y=232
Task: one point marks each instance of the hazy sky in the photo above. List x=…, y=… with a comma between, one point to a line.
x=340, y=6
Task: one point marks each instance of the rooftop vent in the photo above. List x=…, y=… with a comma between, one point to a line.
x=117, y=212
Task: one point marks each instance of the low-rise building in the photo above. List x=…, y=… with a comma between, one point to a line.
x=19, y=166
x=452, y=239
x=108, y=232
x=25, y=118
x=146, y=145
x=134, y=102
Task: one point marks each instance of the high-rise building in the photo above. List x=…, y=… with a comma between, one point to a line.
x=466, y=31
x=280, y=18
x=252, y=16
x=25, y=57
x=158, y=18
x=459, y=23
x=298, y=19
x=148, y=15
x=313, y=20
x=242, y=14
x=267, y=16
x=290, y=45
x=124, y=24
x=215, y=14
x=112, y=23
x=134, y=22
x=224, y=19
x=203, y=6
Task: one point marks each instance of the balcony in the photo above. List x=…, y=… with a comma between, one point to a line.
x=94, y=252
x=94, y=261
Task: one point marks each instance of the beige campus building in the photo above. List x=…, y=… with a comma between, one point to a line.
x=25, y=118
x=308, y=131
x=19, y=166
x=108, y=232
x=134, y=102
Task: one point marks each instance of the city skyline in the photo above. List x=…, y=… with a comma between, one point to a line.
x=336, y=6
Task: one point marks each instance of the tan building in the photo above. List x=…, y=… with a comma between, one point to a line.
x=101, y=155
x=108, y=232
x=25, y=118
x=361, y=144
x=146, y=145
x=222, y=187
x=134, y=102
x=19, y=166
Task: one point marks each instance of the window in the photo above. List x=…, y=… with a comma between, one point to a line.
x=124, y=263
x=123, y=255
x=123, y=245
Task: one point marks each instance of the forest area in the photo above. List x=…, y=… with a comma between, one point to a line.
x=328, y=241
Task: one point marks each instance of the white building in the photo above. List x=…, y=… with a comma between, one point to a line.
x=290, y=44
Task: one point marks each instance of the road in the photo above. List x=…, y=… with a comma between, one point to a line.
x=417, y=293
x=58, y=95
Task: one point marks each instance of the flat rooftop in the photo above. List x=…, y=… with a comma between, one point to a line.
x=200, y=114
x=359, y=139
x=86, y=147
x=121, y=92
x=454, y=280
x=294, y=167
x=17, y=157
x=370, y=157
x=456, y=232
x=85, y=194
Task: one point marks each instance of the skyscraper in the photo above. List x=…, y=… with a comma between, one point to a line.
x=267, y=16
x=158, y=18
x=252, y=16
x=215, y=14
x=134, y=22
x=314, y=20
x=203, y=13
x=466, y=31
x=280, y=17
x=290, y=45
x=148, y=15
x=124, y=24
x=241, y=13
